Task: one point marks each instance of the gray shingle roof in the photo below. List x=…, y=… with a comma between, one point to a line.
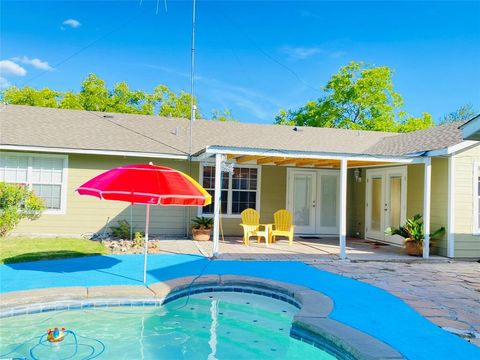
x=435, y=138
x=78, y=129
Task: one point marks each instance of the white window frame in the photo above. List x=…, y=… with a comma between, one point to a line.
x=476, y=173
x=63, y=189
x=229, y=214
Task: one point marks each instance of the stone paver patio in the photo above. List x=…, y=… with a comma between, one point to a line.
x=446, y=292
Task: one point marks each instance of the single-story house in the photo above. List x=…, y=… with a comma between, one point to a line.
x=336, y=182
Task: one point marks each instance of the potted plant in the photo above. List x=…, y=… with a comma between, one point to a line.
x=202, y=228
x=413, y=234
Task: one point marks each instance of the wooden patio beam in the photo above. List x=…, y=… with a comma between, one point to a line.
x=248, y=158
x=267, y=160
x=232, y=156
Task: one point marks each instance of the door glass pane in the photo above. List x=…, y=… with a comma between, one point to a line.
x=376, y=205
x=302, y=190
x=395, y=200
x=329, y=201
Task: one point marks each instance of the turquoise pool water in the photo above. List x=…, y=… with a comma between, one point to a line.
x=204, y=326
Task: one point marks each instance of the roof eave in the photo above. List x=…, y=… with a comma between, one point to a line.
x=452, y=150
x=61, y=150
x=225, y=150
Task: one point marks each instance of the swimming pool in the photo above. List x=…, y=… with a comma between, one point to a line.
x=213, y=325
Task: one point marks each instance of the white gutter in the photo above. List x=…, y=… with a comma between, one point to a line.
x=91, y=152
x=224, y=150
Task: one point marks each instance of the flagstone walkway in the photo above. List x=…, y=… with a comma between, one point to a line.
x=448, y=294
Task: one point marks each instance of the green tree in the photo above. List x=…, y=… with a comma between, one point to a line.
x=30, y=96
x=172, y=104
x=464, y=112
x=224, y=115
x=17, y=203
x=70, y=100
x=95, y=96
x=359, y=96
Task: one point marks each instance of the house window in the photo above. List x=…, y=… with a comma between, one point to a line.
x=239, y=189
x=44, y=174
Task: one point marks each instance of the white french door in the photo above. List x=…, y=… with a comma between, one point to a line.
x=302, y=200
x=385, y=204
x=312, y=198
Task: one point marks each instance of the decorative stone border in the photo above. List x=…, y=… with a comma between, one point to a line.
x=311, y=324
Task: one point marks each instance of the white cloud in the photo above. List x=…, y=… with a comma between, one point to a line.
x=73, y=23
x=4, y=83
x=300, y=53
x=8, y=67
x=36, y=63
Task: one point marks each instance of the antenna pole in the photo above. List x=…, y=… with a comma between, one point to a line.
x=192, y=109
x=192, y=79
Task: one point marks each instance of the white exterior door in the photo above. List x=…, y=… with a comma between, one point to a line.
x=302, y=200
x=312, y=198
x=385, y=204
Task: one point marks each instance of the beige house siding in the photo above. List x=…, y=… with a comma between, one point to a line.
x=86, y=214
x=439, y=198
x=439, y=204
x=415, y=178
x=466, y=243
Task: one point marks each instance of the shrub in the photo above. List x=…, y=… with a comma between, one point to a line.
x=201, y=222
x=139, y=239
x=122, y=230
x=413, y=231
x=17, y=202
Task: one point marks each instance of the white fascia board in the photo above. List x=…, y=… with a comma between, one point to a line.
x=451, y=150
x=471, y=128
x=42, y=149
x=211, y=150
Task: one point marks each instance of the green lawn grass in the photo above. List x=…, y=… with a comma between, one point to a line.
x=16, y=249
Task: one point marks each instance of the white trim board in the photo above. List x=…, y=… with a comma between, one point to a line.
x=40, y=149
x=212, y=150
x=451, y=208
x=452, y=150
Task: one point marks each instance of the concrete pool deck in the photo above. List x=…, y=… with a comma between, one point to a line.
x=364, y=307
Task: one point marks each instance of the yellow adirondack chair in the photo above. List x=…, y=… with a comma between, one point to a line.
x=283, y=225
x=251, y=226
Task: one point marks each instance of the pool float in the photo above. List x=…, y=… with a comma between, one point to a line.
x=56, y=335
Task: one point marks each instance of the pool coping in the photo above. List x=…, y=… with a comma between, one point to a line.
x=310, y=322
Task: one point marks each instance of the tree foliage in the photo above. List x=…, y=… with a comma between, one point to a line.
x=464, y=112
x=95, y=96
x=224, y=115
x=17, y=203
x=358, y=96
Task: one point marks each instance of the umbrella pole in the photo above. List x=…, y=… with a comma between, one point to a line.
x=145, y=250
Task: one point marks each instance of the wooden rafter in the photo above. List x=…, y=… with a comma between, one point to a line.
x=248, y=158
x=267, y=160
x=232, y=156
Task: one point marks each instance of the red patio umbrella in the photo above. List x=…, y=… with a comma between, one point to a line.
x=147, y=184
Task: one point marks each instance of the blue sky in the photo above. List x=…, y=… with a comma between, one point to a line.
x=252, y=57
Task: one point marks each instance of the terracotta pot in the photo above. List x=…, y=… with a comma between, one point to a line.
x=201, y=234
x=414, y=249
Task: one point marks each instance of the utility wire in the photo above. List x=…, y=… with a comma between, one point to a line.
x=239, y=28
x=82, y=49
x=135, y=131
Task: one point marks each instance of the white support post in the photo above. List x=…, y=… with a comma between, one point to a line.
x=427, y=188
x=451, y=208
x=342, y=231
x=217, y=202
